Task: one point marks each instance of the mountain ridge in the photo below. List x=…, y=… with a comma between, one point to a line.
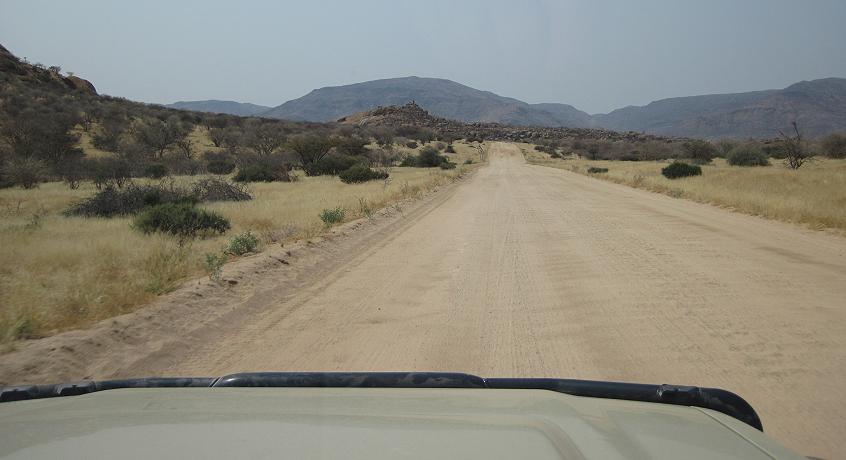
x=819, y=106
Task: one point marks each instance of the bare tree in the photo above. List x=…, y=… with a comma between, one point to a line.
x=217, y=136
x=185, y=146
x=264, y=138
x=796, y=154
x=159, y=135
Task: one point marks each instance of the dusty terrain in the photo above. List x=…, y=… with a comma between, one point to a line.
x=519, y=270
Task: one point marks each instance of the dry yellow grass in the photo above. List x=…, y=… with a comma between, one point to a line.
x=814, y=195
x=60, y=272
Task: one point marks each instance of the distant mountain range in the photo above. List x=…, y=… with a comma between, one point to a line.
x=242, y=109
x=819, y=106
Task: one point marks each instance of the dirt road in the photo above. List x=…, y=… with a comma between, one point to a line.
x=532, y=271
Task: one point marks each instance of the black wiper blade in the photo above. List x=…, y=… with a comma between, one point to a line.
x=709, y=398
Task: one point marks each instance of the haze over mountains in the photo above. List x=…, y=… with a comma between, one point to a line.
x=243, y=109
x=819, y=106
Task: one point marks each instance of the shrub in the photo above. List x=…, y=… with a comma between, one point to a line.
x=220, y=167
x=332, y=216
x=678, y=169
x=428, y=157
x=774, y=149
x=112, y=201
x=411, y=144
x=747, y=155
x=834, y=146
x=214, y=265
x=351, y=145
x=468, y=161
x=595, y=170
x=361, y=173
x=155, y=170
x=181, y=219
x=447, y=165
x=25, y=172
x=242, y=243
x=106, y=172
x=310, y=149
x=219, y=190
x=631, y=156
x=449, y=149
x=699, y=151
x=261, y=172
x=440, y=146
x=333, y=164
x=546, y=149
x=409, y=161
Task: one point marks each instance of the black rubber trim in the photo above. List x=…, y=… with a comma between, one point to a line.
x=710, y=398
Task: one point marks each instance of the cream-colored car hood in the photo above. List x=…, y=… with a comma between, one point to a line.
x=364, y=423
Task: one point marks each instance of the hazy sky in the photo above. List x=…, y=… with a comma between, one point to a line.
x=595, y=55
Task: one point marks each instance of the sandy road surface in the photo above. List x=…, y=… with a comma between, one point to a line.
x=532, y=271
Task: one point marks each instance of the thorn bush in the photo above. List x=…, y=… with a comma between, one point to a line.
x=678, y=169
x=180, y=219
x=361, y=173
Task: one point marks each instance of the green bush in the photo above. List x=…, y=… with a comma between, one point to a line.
x=332, y=216
x=242, y=243
x=699, y=151
x=678, y=169
x=109, y=171
x=155, y=170
x=25, y=172
x=430, y=158
x=181, y=219
x=775, y=149
x=334, y=164
x=351, y=145
x=834, y=146
x=747, y=155
x=449, y=149
x=595, y=170
x=214, y=265
x=411, y=144
x=468, y=161
x=261, y=172
x=220, y=167
x=361, y=173
x=409, y=161
x=112, y=201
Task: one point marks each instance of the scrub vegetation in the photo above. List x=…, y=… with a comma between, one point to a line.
x=813, y=195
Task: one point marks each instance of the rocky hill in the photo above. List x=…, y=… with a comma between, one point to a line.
x=443, y=98
x=39, y=75
x=242, y=109
x=412, y=114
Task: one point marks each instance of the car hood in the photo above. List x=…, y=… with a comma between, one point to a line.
x=368, y=423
